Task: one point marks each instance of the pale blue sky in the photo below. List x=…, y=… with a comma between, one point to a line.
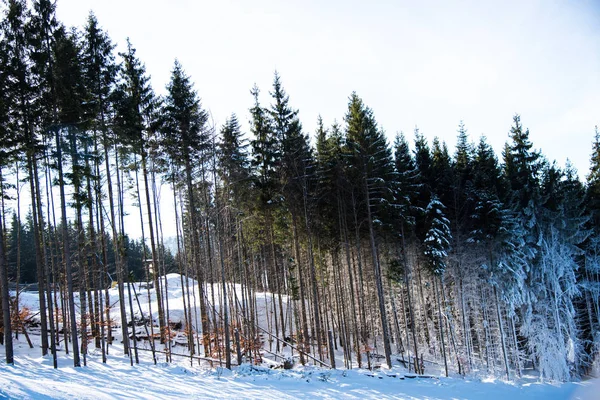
x=416, y=63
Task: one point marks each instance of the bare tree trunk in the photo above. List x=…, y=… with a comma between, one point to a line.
x=466, y=325
x=313, y=274
x=441, y=323
x=353, y=311
x=18, y=278
x=303, y=339
x=379, y=282
x=46, y=266
x=224, y=308
x=33, y=186
x=195, y=255
x=117, y=247
x=413, y=321
x=146, y=269
x=6, y=320
x=502, y=340
x=66, y=243
x=155, y=265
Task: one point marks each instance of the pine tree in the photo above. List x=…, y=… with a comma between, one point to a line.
x=373, y=170
x=6, y=147
x=425, y=181
x=99, y=71
x=185, y=139
x=21, y=90
x=443, y=174
x=593, y=181
x=265, y=154
x=406, y=195
x=234, y=161
x=135, y=109
x=297, y=176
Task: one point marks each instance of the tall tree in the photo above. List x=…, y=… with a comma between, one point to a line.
x=371, y=157
x=135, y=121
x=70, y=95
x=5, y=151
x=185, y=139
x=22, y=92
x=99, y=71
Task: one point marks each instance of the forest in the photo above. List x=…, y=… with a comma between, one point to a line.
x=388, y=251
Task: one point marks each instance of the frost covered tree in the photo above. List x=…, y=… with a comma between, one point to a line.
x=590, y=274
x=551, y=322
x=436, y=246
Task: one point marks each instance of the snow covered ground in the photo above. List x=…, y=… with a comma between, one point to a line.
x=33, y=377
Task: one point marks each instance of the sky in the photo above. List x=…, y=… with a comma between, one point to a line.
x=425, y=64
x=429, y=64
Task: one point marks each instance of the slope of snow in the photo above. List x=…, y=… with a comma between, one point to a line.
x=33, y=377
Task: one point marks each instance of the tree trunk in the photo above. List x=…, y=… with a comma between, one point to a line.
x=66, y=250
x=502, y=340
x=379, y=282
x=413, y=321
x=441, y=323
x=8, y=343
x=159, y=302
x=117, y=248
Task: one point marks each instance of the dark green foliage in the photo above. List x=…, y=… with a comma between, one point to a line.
x=407, y=186
x=593, y=182
x=369, y=162
x=43, y=30
x=442, y=172
x=99, y=70
x=295, y=168
x=185, y=123
x=28, y=266
x=68, y=77
x=135, y=256
x=330, y=190
x=234, y=161
x=264, y=151
x=522, y=167
x=134, y=103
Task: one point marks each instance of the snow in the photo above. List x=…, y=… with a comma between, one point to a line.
x=33, y=377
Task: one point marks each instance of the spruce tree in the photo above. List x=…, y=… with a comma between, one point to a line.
x=297, y=177
x=405, y=196
x=185, y=139
x=135, y=105
x=372, y=168
x=593, y=183
x=6, y=148
x=265, y=153
x=99, y=74
x=22, y=91
x=234, y=161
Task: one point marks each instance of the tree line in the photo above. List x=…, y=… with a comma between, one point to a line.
x=387, y=252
